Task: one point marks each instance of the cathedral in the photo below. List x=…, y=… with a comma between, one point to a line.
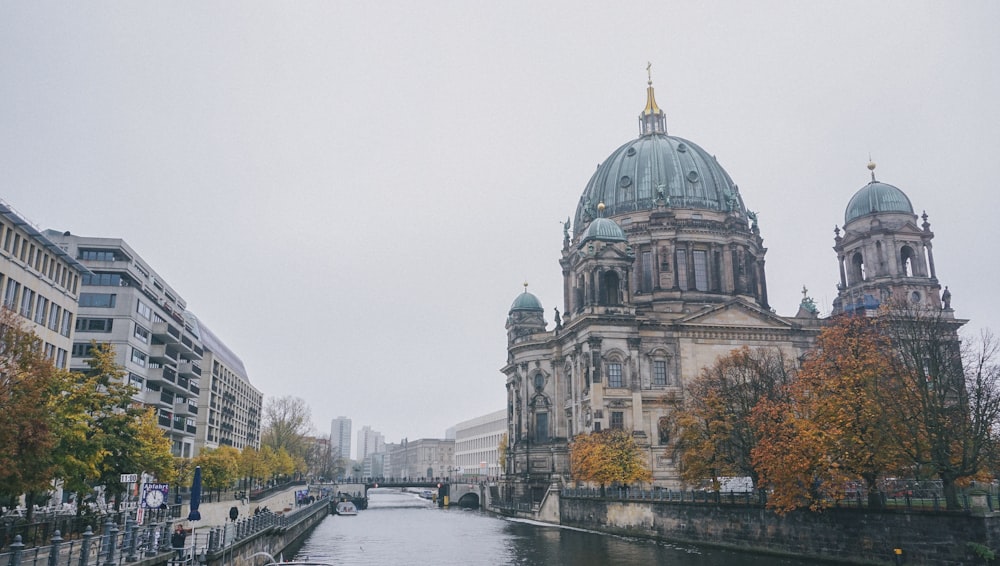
x=663, y=273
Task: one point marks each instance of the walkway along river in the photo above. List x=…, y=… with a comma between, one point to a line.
x=401, y=528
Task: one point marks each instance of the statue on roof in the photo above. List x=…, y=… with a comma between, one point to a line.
x=807, y=308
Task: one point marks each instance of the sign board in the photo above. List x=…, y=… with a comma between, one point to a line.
x=129, y=478
x=140, y=515
x=153, y=495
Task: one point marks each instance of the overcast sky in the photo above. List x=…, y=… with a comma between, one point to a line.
x=351, y=194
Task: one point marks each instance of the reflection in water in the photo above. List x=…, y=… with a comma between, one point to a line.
x=401, y=528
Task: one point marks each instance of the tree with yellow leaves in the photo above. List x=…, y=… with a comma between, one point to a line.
x=608, y=457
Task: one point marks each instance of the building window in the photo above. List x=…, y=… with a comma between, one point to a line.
x=542, y=427
x=141, y=334
x=94, y=324
x=647, y=272
x=98, y=300
x=67, y=323
x=55, y=313
x=682, y=273
x=700, y=270
x=103, y=280
x=61, y=358
x=617, y=420
x=26, y=299
x=98, y=255
x=143, y=310
x=138, y=358
x=615, y=375
x=659, y=372
x=10, y=296
x=82, y=349
x=40, y=304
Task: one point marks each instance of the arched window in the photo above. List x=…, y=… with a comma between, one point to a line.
x=906, y=257
x=610, y=291
x=857, y=268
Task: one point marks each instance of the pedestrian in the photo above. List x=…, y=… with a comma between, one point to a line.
x=177, y=541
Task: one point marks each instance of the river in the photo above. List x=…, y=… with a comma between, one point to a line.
x=401, y=528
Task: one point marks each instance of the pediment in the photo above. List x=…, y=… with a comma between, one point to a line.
x=736, y=313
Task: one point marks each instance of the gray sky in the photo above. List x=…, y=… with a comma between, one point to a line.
x=350, y=194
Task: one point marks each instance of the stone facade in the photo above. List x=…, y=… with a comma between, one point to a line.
x=663, y=273
x=845, y=535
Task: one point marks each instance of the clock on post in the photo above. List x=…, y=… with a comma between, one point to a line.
x=154, y=495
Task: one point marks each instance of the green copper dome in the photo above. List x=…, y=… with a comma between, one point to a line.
x=604, y=229
x=877, y=197
x=657, y=166
x=526, y=302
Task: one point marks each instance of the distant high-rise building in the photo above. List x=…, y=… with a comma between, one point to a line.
x=340, y=437
x=369, y=442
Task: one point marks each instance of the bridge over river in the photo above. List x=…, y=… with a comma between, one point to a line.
x=463, y=494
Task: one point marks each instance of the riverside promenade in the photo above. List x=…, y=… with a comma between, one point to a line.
x=216, y=513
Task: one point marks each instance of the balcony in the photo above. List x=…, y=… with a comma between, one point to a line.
x=189, y=369
x=183, y=408
x=162, y=374
x=166, y=333
x=147, y=397
x=189, y=348
x=161, y=354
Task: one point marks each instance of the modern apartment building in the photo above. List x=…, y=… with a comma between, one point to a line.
x=40, y=282
x=340, y=438
x=477, y=445
x=229, y=408
x=124, y=302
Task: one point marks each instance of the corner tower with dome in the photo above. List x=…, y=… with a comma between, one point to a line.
x=663, y=273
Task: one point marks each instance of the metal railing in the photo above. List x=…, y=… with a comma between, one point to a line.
x=117, y=545
x=909, y=496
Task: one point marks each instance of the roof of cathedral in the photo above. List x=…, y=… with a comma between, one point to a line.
x=876, y=197
x=526, y=302
x=604, y=229
x=654, y=166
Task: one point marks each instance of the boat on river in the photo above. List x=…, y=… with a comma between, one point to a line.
x=347, y=508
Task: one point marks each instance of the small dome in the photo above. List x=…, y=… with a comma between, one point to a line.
x=877, y=197
x=526, y=302
x=604, y=229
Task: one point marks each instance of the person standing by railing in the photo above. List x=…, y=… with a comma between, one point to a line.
x=177, y=541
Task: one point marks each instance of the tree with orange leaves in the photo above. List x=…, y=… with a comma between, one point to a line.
x=713, y=430
x=608, y=457
x=832, y=428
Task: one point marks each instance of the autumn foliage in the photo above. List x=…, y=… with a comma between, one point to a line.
x=831, y=428
x=608, y=457
x=713, y=427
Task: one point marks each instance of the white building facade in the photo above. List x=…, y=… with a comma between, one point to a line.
x=229, y=407
x=477, y=445
x=40, y=282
